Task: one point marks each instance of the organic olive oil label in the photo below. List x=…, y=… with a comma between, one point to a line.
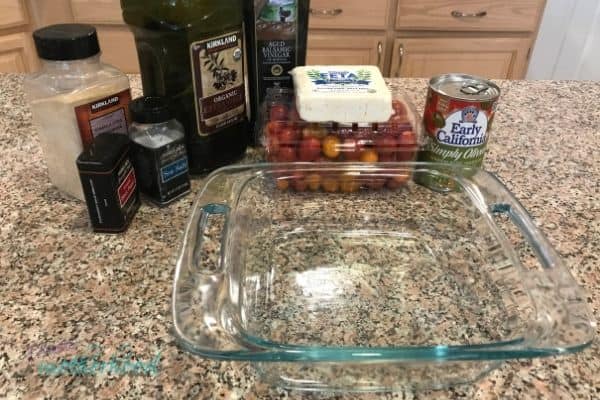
x=276, y=43
x=218, y=77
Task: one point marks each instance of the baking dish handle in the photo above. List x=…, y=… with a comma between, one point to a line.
x=563, y=317
x=200, y=287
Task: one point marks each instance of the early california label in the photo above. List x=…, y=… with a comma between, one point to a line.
x=458, y=116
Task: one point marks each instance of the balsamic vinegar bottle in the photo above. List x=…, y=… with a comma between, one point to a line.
x=191, y=52
x=276, y=32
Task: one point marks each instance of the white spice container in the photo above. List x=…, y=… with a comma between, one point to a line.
x=73, y=99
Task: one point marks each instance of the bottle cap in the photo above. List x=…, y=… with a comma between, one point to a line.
x=150, y=110
x=65, y=42
x=104, y=153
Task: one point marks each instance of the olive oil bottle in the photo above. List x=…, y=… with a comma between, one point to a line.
x=192, y=53
x=277, y=33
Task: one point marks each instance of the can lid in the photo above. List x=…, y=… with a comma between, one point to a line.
x=104, y=153
x=465, y=87
x=150, y=110
x=63, y=42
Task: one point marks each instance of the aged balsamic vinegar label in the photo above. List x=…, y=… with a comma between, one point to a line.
x=218, y=77
x=276, y=30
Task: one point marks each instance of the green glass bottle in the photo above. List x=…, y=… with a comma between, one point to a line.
x=276, y=32
x=191, y=52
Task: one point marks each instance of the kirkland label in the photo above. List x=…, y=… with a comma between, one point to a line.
x=109, y=114
x=218, y=77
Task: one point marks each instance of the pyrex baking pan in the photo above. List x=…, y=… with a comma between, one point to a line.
x=374, y=289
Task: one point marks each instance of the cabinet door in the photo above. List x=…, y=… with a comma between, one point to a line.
x=97, y=11
x=349, y=14
x=491, y=57
x=16, y=53
x=339, y=48
x=472, y=15
x=12, y=13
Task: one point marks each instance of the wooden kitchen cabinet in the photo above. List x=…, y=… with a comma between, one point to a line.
x=472, y=15
x=349, y=14
x=342, y=48
x=483, y=37
x=491, y=57
x=16, y=46
x=17, y=53
x=405, y=38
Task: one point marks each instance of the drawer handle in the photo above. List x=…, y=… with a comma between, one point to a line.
x=400, y=58
x=326, y=12
x=460, y=14
x=379, y=53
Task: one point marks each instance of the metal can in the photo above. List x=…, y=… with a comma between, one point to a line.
x=458, y=118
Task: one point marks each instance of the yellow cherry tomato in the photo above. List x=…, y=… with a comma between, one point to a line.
x=313, y=181
x=369, y=156
x=331, y=146
x=330, y=184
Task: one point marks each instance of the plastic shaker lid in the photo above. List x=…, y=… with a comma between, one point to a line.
x=65, y=42
x=150, y=110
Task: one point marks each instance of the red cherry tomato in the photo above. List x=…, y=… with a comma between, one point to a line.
x=398, y=181
x=407, y=139
x=376, y=183
x=273, y=145
x=310, y=149
x=398, y=124
x=407, y=146
x=386, y=144
x=286, y=154
x=289, y=136
x=399, y=107
x=278, y=112
x=299, y=183
x=273, y=128
x=387, y=157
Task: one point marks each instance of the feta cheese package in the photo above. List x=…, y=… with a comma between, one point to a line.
x=342, y=93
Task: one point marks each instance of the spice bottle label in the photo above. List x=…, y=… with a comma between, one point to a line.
x=162, y=172
x=276, y=30
x=218, y=77
x=127, y=184
x=109, y=114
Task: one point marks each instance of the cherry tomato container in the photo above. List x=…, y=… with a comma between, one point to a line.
x=288, y=138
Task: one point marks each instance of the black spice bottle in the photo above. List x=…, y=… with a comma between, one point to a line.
x=109, y=183
x=159, y=154
x=191, y=52
x=276, y=32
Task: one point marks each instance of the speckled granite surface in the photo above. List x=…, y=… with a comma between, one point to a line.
x=63, y=286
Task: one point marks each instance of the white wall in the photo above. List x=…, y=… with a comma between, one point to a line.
x=568, y=44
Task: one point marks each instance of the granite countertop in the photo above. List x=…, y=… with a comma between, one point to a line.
x=67, y=292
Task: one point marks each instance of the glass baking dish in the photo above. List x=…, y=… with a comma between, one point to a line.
x=372, y=290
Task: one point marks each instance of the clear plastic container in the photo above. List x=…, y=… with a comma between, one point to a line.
x=287, y=138
x=74, y=98
x=371, y=291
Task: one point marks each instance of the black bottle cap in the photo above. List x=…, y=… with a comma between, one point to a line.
x=150, y=110
x=65, y=42
x=104, y=153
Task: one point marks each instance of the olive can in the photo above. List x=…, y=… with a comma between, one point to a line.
x=458, y=118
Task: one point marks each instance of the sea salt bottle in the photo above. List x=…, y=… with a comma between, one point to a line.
x=159, y=152
x=73, y=99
